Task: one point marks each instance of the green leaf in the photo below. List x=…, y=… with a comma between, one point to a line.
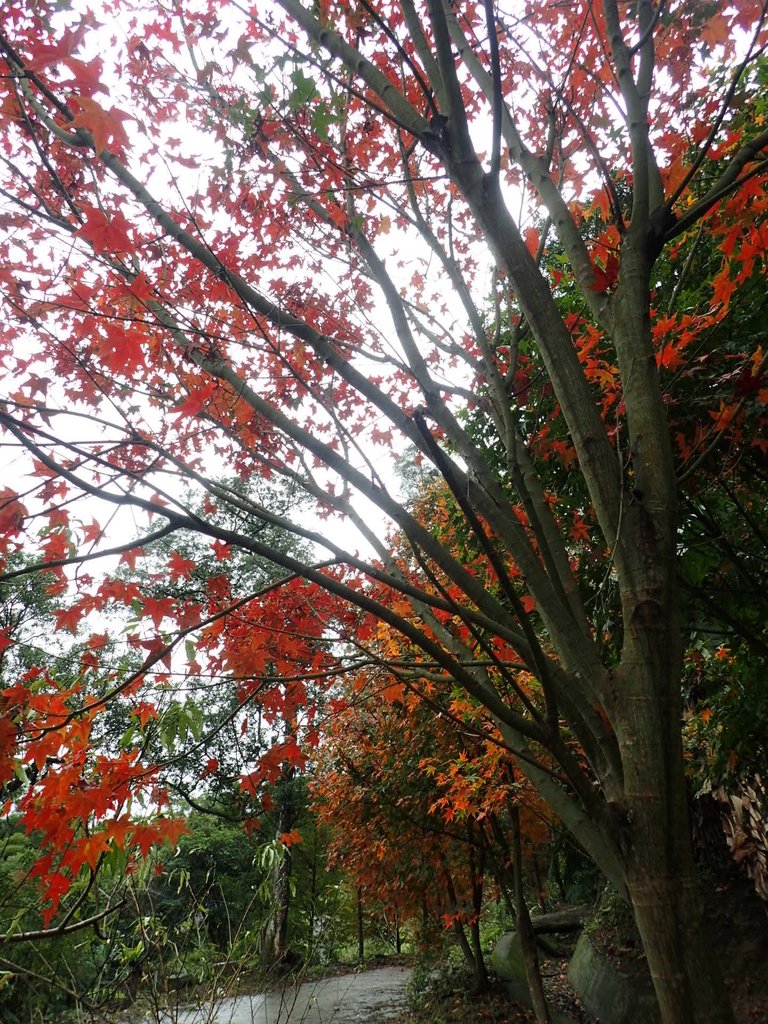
x=304, y=90
x=127, y=738
x=322, y=118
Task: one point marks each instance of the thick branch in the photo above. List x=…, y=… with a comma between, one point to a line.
x=39, y=934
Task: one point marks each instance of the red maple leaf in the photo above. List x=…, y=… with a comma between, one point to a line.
x=105, y=126
x=69, y=618
x=157, y=608
x=12, y=512
x=105, y=234
x=181, y=567
x=121, y=349
x=45, y=54
x=196, y=399
x=91, y=532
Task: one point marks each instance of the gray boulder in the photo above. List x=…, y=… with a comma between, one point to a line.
x=507, y=962
x=609, y=993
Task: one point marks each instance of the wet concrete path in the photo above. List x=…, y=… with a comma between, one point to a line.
x=370, y=997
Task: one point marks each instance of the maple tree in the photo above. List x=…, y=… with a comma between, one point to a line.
x=416, y=800
x=262, y=239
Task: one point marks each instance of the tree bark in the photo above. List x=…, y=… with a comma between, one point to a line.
x=570, y=919
x=275, y=941
x=652, y=824
x=525, y=929
x=477, y=870
x=663, y=887
x=668, y=911
x=472, y=952
x=360, y=929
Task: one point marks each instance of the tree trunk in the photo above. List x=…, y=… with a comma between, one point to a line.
x=479, y=971
x=651, y=823
x=477, y=870
x=275, y=943
x=360, y=930
x=570, y=919
x=662, y=880
x=663, y=888
x=472, y=954
x=524, y=928
x=313, y=894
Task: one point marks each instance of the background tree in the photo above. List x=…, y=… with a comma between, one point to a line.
x=409, y=812
x=314, y=294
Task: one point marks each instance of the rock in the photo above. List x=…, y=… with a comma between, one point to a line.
x=507, y=962
x=612, y=995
